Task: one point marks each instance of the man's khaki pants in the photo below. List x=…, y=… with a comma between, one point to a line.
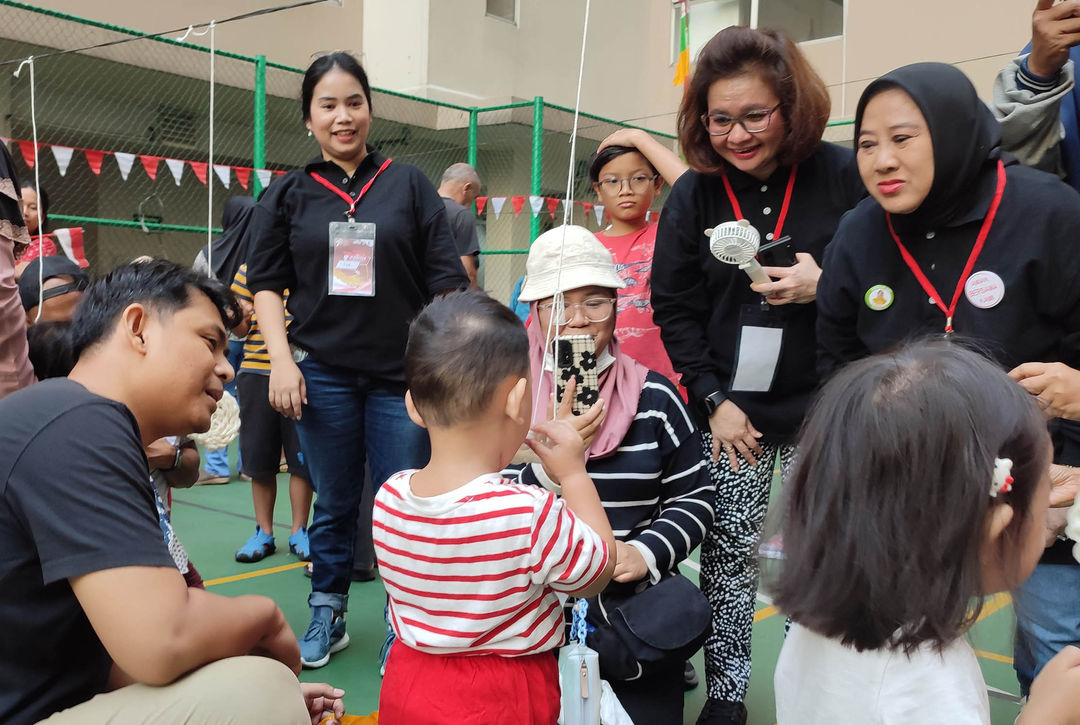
x=234, y=691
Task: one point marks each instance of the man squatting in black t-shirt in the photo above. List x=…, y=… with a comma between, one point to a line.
x=98, y=624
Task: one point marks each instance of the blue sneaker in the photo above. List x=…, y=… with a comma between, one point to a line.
x=259, y=545
x=325, y=635
x=298, y=544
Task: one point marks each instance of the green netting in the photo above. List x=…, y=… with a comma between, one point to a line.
x=150, y=97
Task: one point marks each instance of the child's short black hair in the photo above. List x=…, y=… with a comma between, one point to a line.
x=50, y=348
x=885, y=508
x=461, y=347
x=600, y=159
x=158, y=283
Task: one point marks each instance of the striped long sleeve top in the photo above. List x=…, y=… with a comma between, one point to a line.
x=655, y=487
x=476, y=570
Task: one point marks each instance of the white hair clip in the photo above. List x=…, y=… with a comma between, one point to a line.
x=1003, y=480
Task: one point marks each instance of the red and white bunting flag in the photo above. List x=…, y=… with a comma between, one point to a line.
x=497, y=205
x=94, y=158
x=264, y=176
x=588, y=208
x=537, y=203
x=150, y=165
x=62, y=154
x=518, y=202
x=176, y=166
x=125, y=161
x=200, y=168
x=222, y=172
x=481, y=202
x=27, y=149
x=71, y=241
x=599, y=209
x=552, y=205
x=243, y=175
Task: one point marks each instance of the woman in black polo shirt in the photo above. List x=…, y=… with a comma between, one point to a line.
x=750, y=125
x=362, y=244
x=957, y=240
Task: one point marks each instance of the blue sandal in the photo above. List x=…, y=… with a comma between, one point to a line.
x=261, y=544
x=298, y=544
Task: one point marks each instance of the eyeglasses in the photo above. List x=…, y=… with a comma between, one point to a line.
x=637, y=183
x=717, y=124
x=596, y=309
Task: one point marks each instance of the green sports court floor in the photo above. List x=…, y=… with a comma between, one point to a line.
x=213, y=521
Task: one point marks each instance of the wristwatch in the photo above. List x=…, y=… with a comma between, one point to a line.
x=713, y=401
x=176, y=461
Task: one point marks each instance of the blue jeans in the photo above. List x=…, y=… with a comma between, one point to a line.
x=343, y=424
x=1047, y=618
x=217, y=462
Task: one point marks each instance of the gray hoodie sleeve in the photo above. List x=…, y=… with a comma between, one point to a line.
x=1030, y=115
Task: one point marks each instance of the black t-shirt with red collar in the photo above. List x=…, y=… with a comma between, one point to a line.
x=415, y=259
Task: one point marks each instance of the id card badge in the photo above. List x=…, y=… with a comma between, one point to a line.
x=757, y=351
x=352, y=259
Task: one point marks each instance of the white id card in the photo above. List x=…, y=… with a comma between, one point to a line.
x=352, y=259
x=757, y=358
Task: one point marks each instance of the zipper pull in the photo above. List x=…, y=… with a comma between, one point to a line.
x=584, y=680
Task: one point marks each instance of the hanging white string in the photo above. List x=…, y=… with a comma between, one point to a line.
x=37, y=184
x=558, y=309
x=210, y=151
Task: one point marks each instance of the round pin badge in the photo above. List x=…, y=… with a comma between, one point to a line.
x=879, y=297
x=984, y=290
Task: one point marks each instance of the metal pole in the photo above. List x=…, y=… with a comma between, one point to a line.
x=258, y=151
x=537, y=162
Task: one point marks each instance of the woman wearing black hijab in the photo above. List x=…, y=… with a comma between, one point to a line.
x=957, y=240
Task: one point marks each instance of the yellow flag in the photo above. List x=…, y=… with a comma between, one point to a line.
x=682, y=68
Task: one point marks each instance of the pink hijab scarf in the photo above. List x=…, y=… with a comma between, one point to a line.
x=620, y=388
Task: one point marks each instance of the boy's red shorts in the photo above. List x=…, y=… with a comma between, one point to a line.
x=468, y=690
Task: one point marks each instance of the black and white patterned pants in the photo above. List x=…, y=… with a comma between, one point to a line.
x=729, y=565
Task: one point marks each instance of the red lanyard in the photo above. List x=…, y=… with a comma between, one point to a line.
x=783, y=207
x=979, y=242
x=348, y=199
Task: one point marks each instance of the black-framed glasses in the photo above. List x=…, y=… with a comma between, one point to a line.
x=638, y=183
x=596, y=309
x=717, y=124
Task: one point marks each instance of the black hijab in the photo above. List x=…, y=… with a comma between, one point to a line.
x=964, y=133
x=230, y=249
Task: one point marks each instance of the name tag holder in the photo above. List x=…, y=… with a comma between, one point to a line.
x=757, y=349
x=351, y=270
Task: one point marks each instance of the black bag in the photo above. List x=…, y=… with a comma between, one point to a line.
x=640, y=632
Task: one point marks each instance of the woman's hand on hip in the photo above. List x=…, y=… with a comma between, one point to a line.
x=797, y=283
x=288, y=392
x=734, y=433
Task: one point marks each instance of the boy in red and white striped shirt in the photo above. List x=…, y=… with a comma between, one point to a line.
x=472, y=562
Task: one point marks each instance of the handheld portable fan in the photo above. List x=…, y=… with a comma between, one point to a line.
x=737, y=243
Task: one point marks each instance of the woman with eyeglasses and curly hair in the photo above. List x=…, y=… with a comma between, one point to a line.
x=750, y=125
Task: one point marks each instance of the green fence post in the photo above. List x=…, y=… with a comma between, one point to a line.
x=258, y=151
x=537, y=162
x=474, y=125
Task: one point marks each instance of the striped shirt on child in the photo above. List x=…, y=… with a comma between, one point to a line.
x=476, y=570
